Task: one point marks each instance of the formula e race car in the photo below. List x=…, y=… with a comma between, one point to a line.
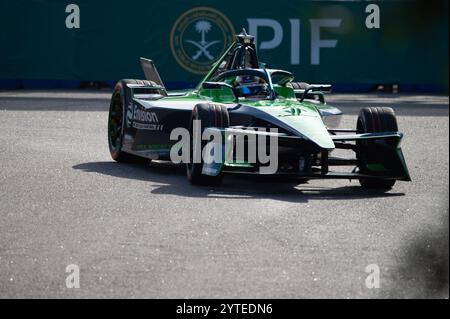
x=252, y=117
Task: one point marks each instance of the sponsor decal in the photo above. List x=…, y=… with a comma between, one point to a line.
x=199, y=37
x=141, y=118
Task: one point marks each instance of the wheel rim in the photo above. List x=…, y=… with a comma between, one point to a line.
x=115, y=123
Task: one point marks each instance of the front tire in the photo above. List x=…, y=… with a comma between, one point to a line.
x=374, y=120
x=210, y=115
x=116, y=123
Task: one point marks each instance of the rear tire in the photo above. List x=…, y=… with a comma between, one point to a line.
x=116, y=124
x=210, y=115
x=374, y=120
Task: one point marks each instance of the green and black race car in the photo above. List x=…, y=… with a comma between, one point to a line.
x=242, y=100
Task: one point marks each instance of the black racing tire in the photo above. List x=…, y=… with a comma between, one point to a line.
x=116, y=124
x=210, y=115
x=374, y=120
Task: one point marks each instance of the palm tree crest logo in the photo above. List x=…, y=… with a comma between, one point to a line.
x=202, y=27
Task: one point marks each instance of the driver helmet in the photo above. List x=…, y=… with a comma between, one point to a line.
x=250, y=85
x=248, y=79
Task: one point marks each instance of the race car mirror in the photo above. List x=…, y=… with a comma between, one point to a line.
x=316, y=88
x=319, y=88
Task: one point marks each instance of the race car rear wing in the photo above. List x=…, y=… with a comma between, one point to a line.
x=146, y=92
x=151, y=73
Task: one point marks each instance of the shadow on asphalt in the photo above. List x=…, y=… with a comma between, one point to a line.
x=173, y=180
x=423, y=264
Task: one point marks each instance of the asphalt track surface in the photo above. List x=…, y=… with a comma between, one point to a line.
x=143, y=232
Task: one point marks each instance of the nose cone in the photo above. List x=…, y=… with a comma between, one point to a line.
x=305, y=123
x=312, y=128
x=300, y=121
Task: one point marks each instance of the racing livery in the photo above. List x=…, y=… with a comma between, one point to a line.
x=241, y=95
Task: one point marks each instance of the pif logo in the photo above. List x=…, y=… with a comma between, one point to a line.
x=199, y=37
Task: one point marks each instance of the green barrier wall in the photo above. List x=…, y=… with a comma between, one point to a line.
x=410, y=47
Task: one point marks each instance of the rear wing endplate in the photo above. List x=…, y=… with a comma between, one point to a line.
x=150, y=72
